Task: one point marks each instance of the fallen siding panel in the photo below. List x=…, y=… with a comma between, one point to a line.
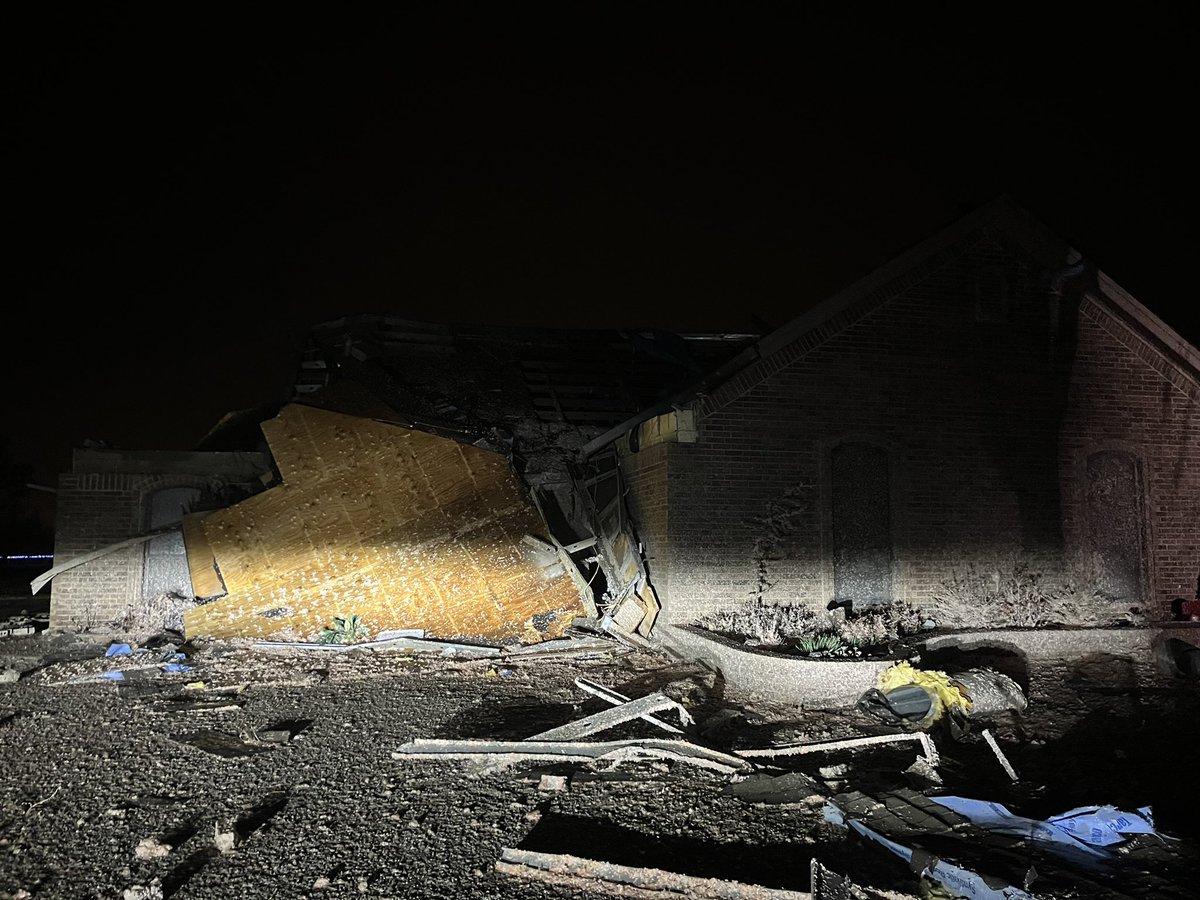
x=206, y=581
x=402, y=528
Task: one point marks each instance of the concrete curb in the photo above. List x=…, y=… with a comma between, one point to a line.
x=778, y=677
x=1067, y=643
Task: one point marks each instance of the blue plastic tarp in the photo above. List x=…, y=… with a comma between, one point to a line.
x=119, y=650
x=1085, y=830
x=963, y=882
x=1103, y=826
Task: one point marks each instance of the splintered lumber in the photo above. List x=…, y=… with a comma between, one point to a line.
x=509, y=752
x=847, y=744
x=610, y=696
x=561, y=868
x=610, y=718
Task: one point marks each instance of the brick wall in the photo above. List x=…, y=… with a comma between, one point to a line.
x=99, y=508
x=1125, y=396
x=983, y=385
x=95, y=510
x=645, y=477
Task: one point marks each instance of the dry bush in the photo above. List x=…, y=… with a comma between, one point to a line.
x=881, y=624
x=1013, y=596
x=772, y=626
x=766, y=624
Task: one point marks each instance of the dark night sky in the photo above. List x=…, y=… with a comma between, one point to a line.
x=187, y=196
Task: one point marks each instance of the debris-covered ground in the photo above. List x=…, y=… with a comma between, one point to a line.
x=246, y=773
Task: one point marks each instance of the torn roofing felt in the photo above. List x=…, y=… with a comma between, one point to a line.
x=490, y=378
x=397, y=526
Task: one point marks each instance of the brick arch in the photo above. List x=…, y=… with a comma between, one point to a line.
x=859, y=486
x=1115, y=519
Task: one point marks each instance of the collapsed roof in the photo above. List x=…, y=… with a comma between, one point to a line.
x=432, y=477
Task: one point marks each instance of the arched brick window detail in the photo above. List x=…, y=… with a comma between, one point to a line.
x=862, y=523
x=1116, y=523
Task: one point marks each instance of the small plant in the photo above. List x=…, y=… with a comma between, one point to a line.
x=827, y=642
x=344, y=630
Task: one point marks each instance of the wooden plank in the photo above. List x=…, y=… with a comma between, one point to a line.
x=611, y=718
x=506, y=752
x=631, y=881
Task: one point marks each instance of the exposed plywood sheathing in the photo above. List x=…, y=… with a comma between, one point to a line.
x=402, y=528
x=206, y=581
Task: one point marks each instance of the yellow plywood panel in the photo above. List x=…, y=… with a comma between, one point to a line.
x=402, y=528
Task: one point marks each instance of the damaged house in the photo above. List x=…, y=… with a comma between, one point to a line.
x=986, y=407
x=986, y=412
x=425, y=477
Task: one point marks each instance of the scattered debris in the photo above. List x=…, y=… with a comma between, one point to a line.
x=562, y=647
x=283, y=732
x=1087, y=830
x=913, y=698
x=991, y=741
x=17, y=630
x=923, y=739
x=43, y=801
x=151, y=848
x=611, y=696
x=961, y=882
x=610, y=718
x=922, y=775
x=224, y=839
x=575, y=871
x=979, y=849
x=151, y=891
x=790, y=787
x=510, y=752
x=10, y=676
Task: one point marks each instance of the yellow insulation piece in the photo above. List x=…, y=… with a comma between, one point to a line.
x=945, y=693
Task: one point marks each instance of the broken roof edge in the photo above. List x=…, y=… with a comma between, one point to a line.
x=811, y=319
x=1148, y=327
x=385, y=413
x=1003, y=214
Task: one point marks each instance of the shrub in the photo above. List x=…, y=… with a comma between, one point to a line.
x=765, y=623
x=344, y=630
x=769, y=625
x=1014, y=596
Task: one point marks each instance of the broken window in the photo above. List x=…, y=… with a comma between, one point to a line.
x=1116, y=523
x=862, y=527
